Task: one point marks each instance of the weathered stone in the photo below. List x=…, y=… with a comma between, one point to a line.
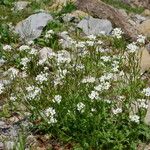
x=20, y=5
x=144, y=57
x=31, y=28
x=147, y=117
x=144, y=27
x=146, y=12
x=95, y=26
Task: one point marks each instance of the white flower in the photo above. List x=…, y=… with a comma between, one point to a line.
x=50, y=112
x=33, y=51
x=88, y=79
x=13, y=98
x=142, y=103
x=80, y=107
x=132, y=47
x=1, y=88
x=41, y=78
x=90, y=43
x=57, y=98
x=52, y=120
x=117, y=32
x=24, y=47
x=106, y=58
x=49, y=34
x=32, y=92
x=91, y=37
x=117, y=111
x=13, y=72
x=134, y=118
x=24, y=62
x=146, y=91
x=94, y=95
x=7, y=47
x=30, y=42
x=63, y=57
x=141, y=39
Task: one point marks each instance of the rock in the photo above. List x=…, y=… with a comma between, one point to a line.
x=9, y=145
x=2, y=123
x=146, y=12
x=144, y=27
x=147, y=117
x=138, y=18
x=46, y=53
x=1, y=146
x=31, y=28
x=20, y=5
x=144, y=57
x=74, y=16
x=95, y=26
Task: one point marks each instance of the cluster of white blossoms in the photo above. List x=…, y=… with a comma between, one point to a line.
x=117, y=111
x=42, y=77
x=49, y=34
x=33, y=92
x=132, y=47
x=106, y=58
x=33, y=51
x=24, y=48
x=94, y=95
x=7, y=48
x=50, y=113
x=142, y=103
x=117, y=32
x=134, y=118
x=24, y=62
x=1, y=88
x=146, y=91
x=57, y=99
x=80, y=107
x=12, y=72
x=141, y=39
x=88, y=79
x=63, y=57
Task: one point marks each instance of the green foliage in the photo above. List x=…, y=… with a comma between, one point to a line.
x=7, y=2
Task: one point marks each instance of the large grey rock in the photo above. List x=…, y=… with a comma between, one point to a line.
x=31, y=28
x=95, y=26
x=20, y=5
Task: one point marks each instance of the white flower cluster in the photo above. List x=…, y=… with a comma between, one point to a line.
x=134, y=118
x=2, y=61
x=63, y=57
x=141, y=39
x=12, y=72
x=50, y=112
x=142, y=103
x=88, y=79
x=49, y=34
x=33, y=92
x=117, y=32
x=57, y=99
x=7, y=47
x=24, y=48
x=24, y=62
x=80, y=107
x=42, y=77
x=117, y=111
x=94, y=95
x=146, y=91
x=132, y=47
